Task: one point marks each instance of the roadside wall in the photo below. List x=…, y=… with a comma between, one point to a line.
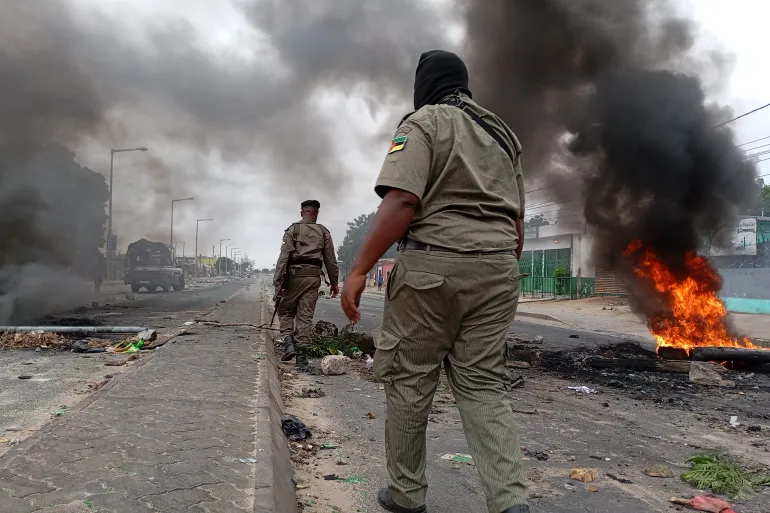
x=746, y=290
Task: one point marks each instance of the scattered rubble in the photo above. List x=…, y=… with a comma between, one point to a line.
x=582, y=474
x=660, y=470
x=312, y=393
x=33, y=340
x=705, y=373
x=334, y=365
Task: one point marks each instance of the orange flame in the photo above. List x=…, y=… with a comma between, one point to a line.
x=696, y=314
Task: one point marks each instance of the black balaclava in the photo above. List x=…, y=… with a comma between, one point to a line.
x=439, y=74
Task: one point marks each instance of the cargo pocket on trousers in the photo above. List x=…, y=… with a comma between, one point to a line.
x=420, y=280
x=386, y=361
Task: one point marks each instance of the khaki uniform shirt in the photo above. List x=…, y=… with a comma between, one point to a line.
x=309, y=242
x=469, y=189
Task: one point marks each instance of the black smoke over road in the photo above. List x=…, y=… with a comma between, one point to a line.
x=613, y=93
x=75, y=77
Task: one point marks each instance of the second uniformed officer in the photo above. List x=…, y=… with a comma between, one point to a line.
x=452, y=189
x=306, y=247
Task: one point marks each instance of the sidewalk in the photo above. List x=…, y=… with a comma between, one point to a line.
x=587, y=314
x=179, y=433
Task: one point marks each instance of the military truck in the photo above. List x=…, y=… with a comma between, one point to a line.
x=152, y=265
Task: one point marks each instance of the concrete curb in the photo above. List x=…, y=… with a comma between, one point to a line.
x=544, y=317
x=274, y=485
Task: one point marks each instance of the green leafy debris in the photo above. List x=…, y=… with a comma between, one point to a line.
x=723, y=475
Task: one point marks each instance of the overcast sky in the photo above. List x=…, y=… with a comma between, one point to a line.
x=241, y=197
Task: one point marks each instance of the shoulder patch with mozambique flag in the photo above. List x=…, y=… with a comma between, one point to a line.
x=398, y=143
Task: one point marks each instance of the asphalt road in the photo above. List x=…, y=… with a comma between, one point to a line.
x=555, y=337
x=153, y=309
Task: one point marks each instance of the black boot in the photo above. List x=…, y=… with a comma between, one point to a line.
x=518, y=509
x=386, y=501
x=301, y=362
x=289, y=351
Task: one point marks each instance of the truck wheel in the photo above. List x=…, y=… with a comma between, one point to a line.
x=135, y=288
x=179, y=286
x=151, y=288
x=165, y=287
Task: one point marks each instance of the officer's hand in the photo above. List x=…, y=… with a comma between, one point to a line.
x=334, y=290
x=351, y=296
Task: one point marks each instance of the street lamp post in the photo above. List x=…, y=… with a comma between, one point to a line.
x=231, y=253
x=112, y=159
x=197, y=223
x=171, y=240
x=235, y=263
x=219, y=263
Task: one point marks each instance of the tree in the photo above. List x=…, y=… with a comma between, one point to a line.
x=265, y=270
x=536, y=221
x=354, y=239
x=247, y=264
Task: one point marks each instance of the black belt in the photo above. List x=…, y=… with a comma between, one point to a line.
x=413, y=245
x=306, y=262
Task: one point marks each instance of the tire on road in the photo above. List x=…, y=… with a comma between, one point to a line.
x=135, y=288
x=179, y=286
x=151, y=288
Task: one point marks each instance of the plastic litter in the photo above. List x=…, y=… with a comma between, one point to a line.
x=705, y=503
x=458, y=458
x=584, y=389
x=248, y=460
x=734, y=421
x=352, y=479
x=369, y=362
x=295, y=429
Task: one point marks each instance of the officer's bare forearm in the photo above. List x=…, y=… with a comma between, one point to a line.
x=390, y=223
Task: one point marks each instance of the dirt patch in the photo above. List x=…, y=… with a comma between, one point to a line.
x=320, y=462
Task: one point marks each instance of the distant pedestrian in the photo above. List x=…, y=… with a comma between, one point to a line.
x=100, y=269
x=379, y=282
x=453, y=194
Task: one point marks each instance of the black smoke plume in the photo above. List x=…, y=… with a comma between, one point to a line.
x=613, y=92
x=75, y=77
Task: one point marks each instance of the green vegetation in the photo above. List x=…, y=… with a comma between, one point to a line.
x=723, y=475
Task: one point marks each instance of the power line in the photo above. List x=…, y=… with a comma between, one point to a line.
x=541, y=205
x=742, y=115
x=755, y=140
x=553, y=185
x=756, y=147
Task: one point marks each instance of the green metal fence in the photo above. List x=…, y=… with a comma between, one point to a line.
x=551, y=287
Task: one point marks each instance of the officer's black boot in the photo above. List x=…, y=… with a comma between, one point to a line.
x=518, y=509
x=386, y=501
x=301, y=364
x=289, y=351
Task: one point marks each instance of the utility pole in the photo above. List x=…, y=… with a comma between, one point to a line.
x=109, y=212
x=171, y=240
x=197, y=224
x=231, y=254
x=219, y=262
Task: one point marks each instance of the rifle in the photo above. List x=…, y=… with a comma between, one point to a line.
x=277, y=298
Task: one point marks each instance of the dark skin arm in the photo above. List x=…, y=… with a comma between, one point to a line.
x=520, y=233
x=390, y=223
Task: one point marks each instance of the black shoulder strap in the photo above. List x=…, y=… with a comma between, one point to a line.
x=457, y=102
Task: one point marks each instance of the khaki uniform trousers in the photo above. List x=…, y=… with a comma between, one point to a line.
x=453, y=309
x=297, y=308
